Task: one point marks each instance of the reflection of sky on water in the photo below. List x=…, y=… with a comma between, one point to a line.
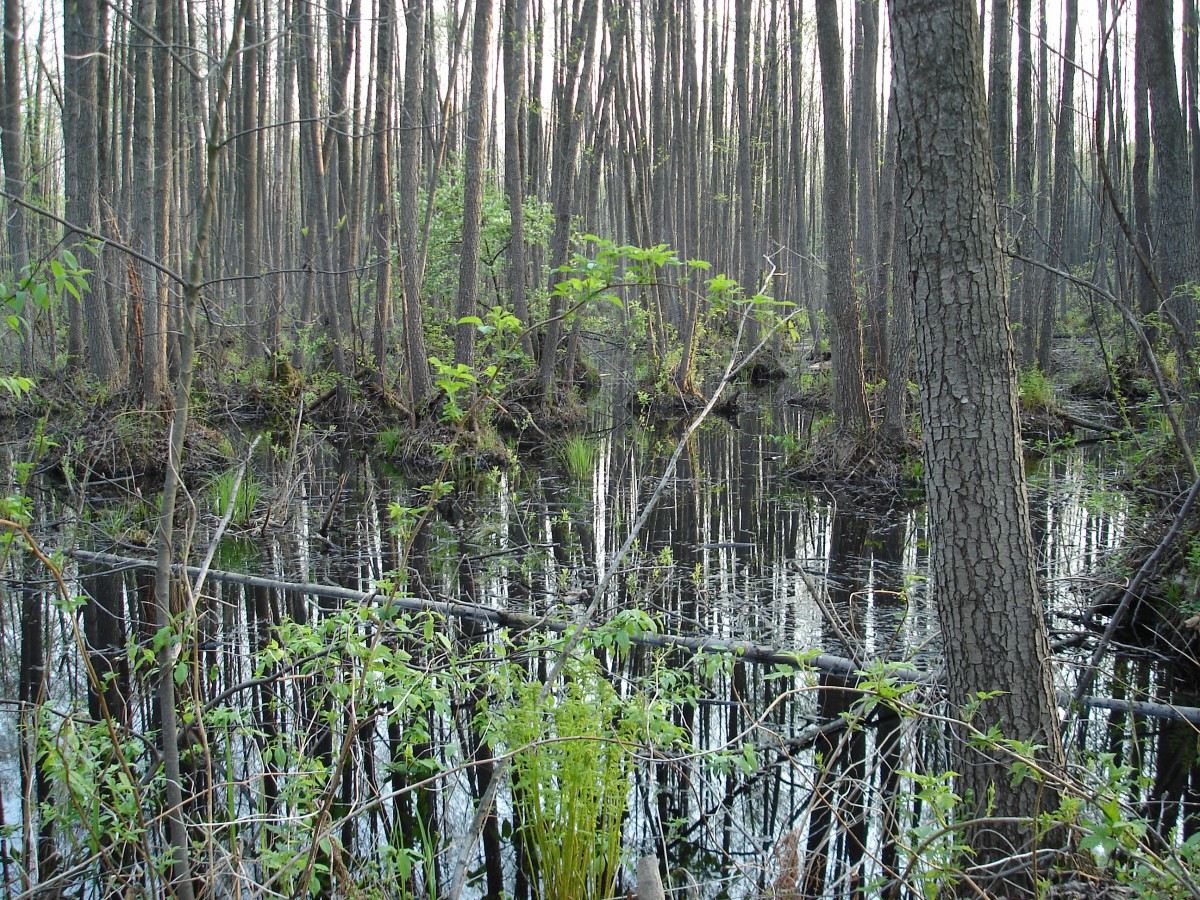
x=726, y=554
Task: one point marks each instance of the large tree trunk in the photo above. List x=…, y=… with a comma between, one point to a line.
x=981, y=550
x=1176, y=256
x=845, y=328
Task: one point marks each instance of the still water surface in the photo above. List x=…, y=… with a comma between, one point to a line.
x=733, y=550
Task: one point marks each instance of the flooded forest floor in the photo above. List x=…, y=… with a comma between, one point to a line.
x=501, y=671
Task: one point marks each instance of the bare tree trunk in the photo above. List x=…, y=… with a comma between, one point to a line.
x=845, y=328
x=1064, y=171
x=143, y=279
x=14, y=169
x=468, y=272
x=324, y=272
x=383, y=203
x=896, y=400
x=181, y=872
x=748, y=267
x=420, y=384
x=512, y=40
x=1021, y=223
x=1175, y=219
x=1000, y=105
x=247, y=168
x=864, y=162
x=158, y=292
x=1191, y=93
x=1143, y=215
x=982, y=562
x=83, y=55
x=571, y=96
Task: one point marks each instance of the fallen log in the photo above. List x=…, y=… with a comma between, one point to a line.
x=748, y=650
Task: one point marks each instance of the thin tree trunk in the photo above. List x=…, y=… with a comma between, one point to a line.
x=468, y=272
x=83, y=55
x=247, y=167
x=1064, y=171
x=143, y=278
x=572, y=94
x=14, y=169
x=512, y=39
x=383, y=203
x=864, y=161
x=845, y=328
x=420, y=383
x=1021, y=224
x=181, y=874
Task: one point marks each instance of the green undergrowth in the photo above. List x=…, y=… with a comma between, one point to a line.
x=426, y=697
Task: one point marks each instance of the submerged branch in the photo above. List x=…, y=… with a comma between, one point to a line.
x=749, y=651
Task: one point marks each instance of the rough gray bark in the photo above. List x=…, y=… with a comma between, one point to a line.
x=845, y=328
x=981, y=550
x=1000, y=101
x=896, y=400
x=247, y=169
x=320, y=284
x=143, y=278
x=1143, y=216
x=155, y=337
x=1191, y=92
x=1175, y=257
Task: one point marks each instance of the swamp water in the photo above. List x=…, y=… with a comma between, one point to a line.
x=771, y=794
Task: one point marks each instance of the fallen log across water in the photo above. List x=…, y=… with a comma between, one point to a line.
x=747, y=650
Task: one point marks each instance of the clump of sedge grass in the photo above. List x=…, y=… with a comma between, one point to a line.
x=578, y=454
x=246, y=498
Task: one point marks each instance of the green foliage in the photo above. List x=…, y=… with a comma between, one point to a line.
x=1035, y=391
x=570, y=774
x=445, y=237
x=578, y=455
x=244, y=501
x=633, y=285
x=33, y=290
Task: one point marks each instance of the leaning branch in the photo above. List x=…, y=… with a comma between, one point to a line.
x=750, y=651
